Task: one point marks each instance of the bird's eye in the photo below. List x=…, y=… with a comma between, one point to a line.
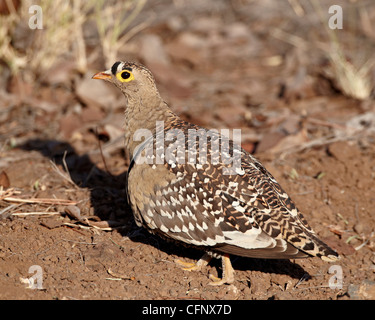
x=125, y=76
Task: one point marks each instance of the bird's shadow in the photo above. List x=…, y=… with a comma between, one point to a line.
x=109, y=190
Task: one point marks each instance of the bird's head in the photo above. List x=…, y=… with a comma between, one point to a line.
x=131, y=78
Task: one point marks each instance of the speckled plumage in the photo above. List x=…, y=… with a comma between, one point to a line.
x=244, y=213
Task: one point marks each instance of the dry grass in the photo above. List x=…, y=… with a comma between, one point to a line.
x=351, y=72
x=61, y=25
x=353, y=79
x=112, y=19
x=8, y=54
x=349, y=68
x=62, y=36
x=9, y=196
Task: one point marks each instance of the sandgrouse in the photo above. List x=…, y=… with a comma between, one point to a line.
x=197, y=187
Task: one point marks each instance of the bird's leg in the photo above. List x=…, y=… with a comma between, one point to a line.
x=188, y=266
x=228, y=273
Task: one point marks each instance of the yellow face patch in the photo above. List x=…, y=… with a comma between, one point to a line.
x=125, y=76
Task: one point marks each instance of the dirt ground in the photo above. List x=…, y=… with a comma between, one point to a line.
x=219, y=64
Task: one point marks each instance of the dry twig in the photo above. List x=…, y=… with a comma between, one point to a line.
x=118, y=276
x=41, y=201
x=39, y=213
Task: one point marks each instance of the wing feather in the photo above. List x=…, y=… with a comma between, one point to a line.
x=247, y=214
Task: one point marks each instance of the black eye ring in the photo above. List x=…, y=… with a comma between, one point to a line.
x=125, y=75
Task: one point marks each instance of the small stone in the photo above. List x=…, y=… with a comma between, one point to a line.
x=363, y=291
x=359, y=227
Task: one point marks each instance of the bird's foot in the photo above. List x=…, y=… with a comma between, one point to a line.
x=228, y=273
x=189, y=266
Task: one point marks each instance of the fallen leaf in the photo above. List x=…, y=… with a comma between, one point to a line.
x=94, y=92
x=340, y=246
x=269, y=141
x=336, y=230
x=51, y=223
x=91, y=113
x=4, y=180
x=74, y=212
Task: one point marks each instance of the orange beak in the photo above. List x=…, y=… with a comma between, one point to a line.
x=102, y=75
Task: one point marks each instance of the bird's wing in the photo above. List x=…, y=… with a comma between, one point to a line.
x=184, y=207
x=246, y=213
x=260, y=199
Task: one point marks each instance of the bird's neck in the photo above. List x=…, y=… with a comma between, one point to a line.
x=142, y=118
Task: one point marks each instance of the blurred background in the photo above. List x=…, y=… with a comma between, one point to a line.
x=301, y=92
x=239, y=63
